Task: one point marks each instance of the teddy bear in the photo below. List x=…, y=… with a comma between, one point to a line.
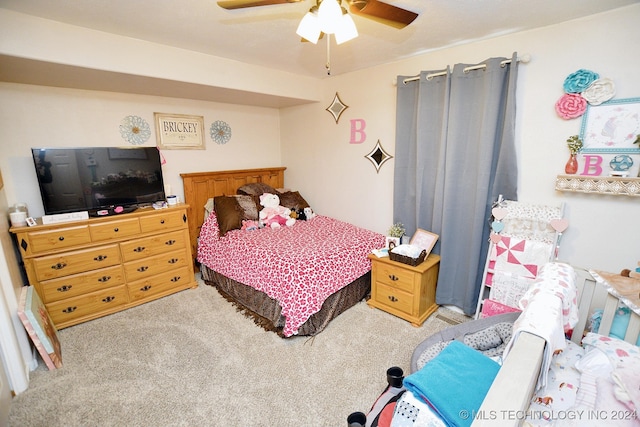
x=272, y=214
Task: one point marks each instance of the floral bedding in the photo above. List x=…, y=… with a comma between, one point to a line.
x=299, y=266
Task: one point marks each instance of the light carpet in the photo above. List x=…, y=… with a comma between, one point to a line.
x=192, y=359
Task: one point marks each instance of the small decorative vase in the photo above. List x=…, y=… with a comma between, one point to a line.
x=572, y=165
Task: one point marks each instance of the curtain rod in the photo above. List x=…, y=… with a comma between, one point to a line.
x=524, y=59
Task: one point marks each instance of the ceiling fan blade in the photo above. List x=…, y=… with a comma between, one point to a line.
x=383, y=13
x=239, y=4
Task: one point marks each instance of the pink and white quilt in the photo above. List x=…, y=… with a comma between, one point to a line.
x=298, y=266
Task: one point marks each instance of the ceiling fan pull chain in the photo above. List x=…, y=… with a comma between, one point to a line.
x=328, y=65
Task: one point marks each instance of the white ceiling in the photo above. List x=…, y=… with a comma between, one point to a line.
x=266, y=35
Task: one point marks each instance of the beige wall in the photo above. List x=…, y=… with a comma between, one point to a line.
x=604, y=231
x=329, y=171
x=37, y=116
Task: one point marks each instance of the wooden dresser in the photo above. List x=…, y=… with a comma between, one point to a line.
x=86, y=269
x=405, y=291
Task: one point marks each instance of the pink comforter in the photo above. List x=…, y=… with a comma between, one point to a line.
x=298, y=266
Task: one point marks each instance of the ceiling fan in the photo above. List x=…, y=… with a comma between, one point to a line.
x=378, y=11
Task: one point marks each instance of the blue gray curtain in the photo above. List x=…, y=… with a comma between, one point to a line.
x=455, y=154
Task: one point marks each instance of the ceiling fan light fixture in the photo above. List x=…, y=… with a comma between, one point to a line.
x=309, y=27
x=347, y=29
x=329, y=17
x=329, y=14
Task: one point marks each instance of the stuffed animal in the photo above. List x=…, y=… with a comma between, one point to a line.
x=272, y=214
x=309, y=214
x=249, y=225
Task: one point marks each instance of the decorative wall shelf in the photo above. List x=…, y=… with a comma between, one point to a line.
x=599, y=184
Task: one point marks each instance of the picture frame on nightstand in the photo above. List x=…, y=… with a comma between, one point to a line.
x=424, y=239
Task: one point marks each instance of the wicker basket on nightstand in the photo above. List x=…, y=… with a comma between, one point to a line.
x=405, y=259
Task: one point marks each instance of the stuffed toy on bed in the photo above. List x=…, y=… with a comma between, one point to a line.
x=272, y=214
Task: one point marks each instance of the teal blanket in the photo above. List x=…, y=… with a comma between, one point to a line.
x=454, y=383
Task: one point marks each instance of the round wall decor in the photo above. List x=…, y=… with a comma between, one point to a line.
x=135, y=130
x=220, y=132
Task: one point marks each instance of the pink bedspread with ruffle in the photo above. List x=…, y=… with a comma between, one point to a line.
x=298, y=266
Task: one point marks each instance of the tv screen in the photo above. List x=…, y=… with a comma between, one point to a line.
x=98, y=178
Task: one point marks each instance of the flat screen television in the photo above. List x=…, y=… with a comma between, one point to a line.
x=98, y=179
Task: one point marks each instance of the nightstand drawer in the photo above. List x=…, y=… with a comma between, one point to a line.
x=396, y=277
x=83, y=283
x=143, y=248
x=114, y=229
x=50, y=267
x=73, y=308
x=394, y=298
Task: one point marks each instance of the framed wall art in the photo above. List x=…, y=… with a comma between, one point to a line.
x=424, y=239
x=611, y=127
x=40, y=327
x=179, y=131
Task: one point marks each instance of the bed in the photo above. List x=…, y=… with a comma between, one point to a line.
x=593, y=381
x=290, y=280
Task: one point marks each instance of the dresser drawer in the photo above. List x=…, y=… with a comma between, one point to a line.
x=154, y=285
x=142, y=248
x=166, y=220
x=114, y=229
x=70, y=309
x=82, y=283
x=394, y=298
x=150, y=266
x=396, y=277
x=53, y=266
x=61, y=238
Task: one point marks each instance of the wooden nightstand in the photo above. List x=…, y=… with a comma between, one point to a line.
x=404, y=291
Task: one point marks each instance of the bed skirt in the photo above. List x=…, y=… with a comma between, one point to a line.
x=266, y=312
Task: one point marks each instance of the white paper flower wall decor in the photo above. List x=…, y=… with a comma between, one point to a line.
x=582, y=88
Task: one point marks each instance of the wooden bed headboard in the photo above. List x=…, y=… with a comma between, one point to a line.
x=201, y=186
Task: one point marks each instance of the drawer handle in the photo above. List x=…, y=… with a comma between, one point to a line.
x=61, y=238
x=104, y=279
x=64, y=288
x=170, y=242
x=173, y=260
x=175, y=279
x=145, y=288
x=70, y=309
x=59, y=266
x=143, y=268
x=108, y=299
x=162, y=221
x=139, y=249
x=392, y=298
x=100, y=258
x=116, y=230
x=393, y=277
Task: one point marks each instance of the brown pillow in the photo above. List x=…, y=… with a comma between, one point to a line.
x=256, y=189
x=292, y=200
x=231, y=210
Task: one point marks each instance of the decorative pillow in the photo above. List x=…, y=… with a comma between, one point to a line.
x=292, y=200
x=483, y=340
x=256, y=189
x=231, y=210
x=431, y=352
